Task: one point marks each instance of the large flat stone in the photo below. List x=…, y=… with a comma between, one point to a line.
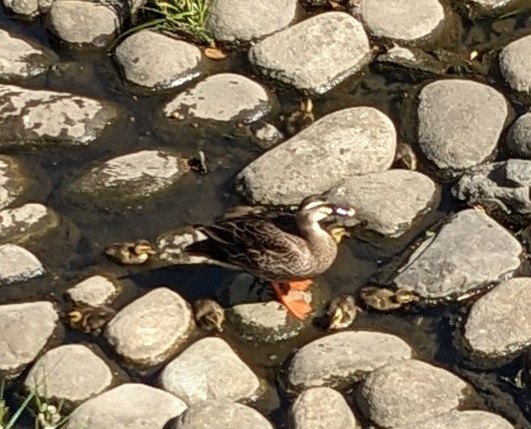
x=470, y=251
x=515, y=64
x=358, y=140
x=18, y=264
x=299, y=57
x=27, y=222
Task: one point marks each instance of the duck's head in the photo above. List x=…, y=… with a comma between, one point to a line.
x=316, y=208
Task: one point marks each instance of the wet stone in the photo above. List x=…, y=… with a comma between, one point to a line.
x=514, y=64
x=403, y=21
x=224, y=97
x=266, y=135
x=341, y=359
x=358, y=140
x=157, y=61
x=152, y=328
x=389, y=201
x=519, y=138
x=28, y=8
x=18, y=264
x=11, y=181
x=500, y=187
x=431, y=391
x=221, y=414
x=94, y=291
x=24, y=331
x=130, y=177
x=498, y=324
x=209, y=369
x=321, y=408
x=27, y=222
x=416, y=60
x=459, y=123
x=20, y=59
x=462, y=420
x=298, y=56
x=470, y=251
x=40, y=117
x=129, y=406
x=71, y=372
x=245, y=20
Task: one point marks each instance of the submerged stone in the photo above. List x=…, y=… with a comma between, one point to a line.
x=514, y=64
x=12, y=182
x=18, y=264
x=27, y=222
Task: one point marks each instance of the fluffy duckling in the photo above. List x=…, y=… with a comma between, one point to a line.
x=384, y=299
x=90, y=320
x=130, y=253
x=209, y=314
x=341, y=312
x=405, y=157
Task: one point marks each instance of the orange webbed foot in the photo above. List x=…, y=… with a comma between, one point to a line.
x=292, y=300
x=302, y=285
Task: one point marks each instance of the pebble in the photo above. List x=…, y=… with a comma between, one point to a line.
x=27, y=222
x=20, y=59
x=514, y=64
x=389, y=201
x=209, y=369
x=18, y=264
x=152, y=328
x=413, y=60
x=157, y=61
x=221, y=414
x=519, y=137
x=470, y=251
x=460, y=122
x=239, y=21
x=266, y=135
x=462, y=420
x=406, y=21
x=94, y=291
x=12, y=182
x=130, y=177
x=358, y=140
x=129, y=406
x=42, y=118
x=431, y=391
x=37, y=320
x=28, y=8
x=71, y=373
x=224, y=97
x=500, y=187
x=498, y=324
x=299, y=57
x=321, y=408
x=344, y=358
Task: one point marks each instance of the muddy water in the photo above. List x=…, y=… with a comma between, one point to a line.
x=75, y=252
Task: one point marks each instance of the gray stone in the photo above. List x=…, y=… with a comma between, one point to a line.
x=298, y=56
x=389, y=201
x=416, y=60
x=157, y=61
x=12, y=181
x=27, y=222
x=20, y=59
x=462, y=420
x=470, y=251
x=519, y=137
x=224, y=97
x=129, y=406
x=404, y=21
x=498, y=324
x=24, y=331
x=322, y=408
x=358, y=140
x=344, y=358
x=18, y=264
x=514, y=64
x=37, y=117
x=246, y=20
x=94, y=291
x=130, y=177
x=71, y=372
x=28, y=8
x=491, y=4
x=410, y=391
x=221, y=415
x=266, y=135
x=152, y=328
x=460, y=123
x=500, y=187
x=209, y=369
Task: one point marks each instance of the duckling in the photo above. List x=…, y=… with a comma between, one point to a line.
x=88, y=319
x=130, y=253
x=267, y=249
x=384, y=299
x=405, y=157
x=341, y=312
x=209, y=314
x=338, y=233
x=301, y=118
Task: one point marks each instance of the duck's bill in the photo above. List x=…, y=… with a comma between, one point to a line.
x=343, y=211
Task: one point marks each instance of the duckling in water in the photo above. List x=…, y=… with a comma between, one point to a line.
x=299, y=119
x=384, y=299
x=209, y=314
x=88, y=319
x=341, y=312
x=130, y=253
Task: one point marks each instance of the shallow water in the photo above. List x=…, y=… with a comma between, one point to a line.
x=75, y=252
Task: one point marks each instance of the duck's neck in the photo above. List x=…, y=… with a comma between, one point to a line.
x=319, y=241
